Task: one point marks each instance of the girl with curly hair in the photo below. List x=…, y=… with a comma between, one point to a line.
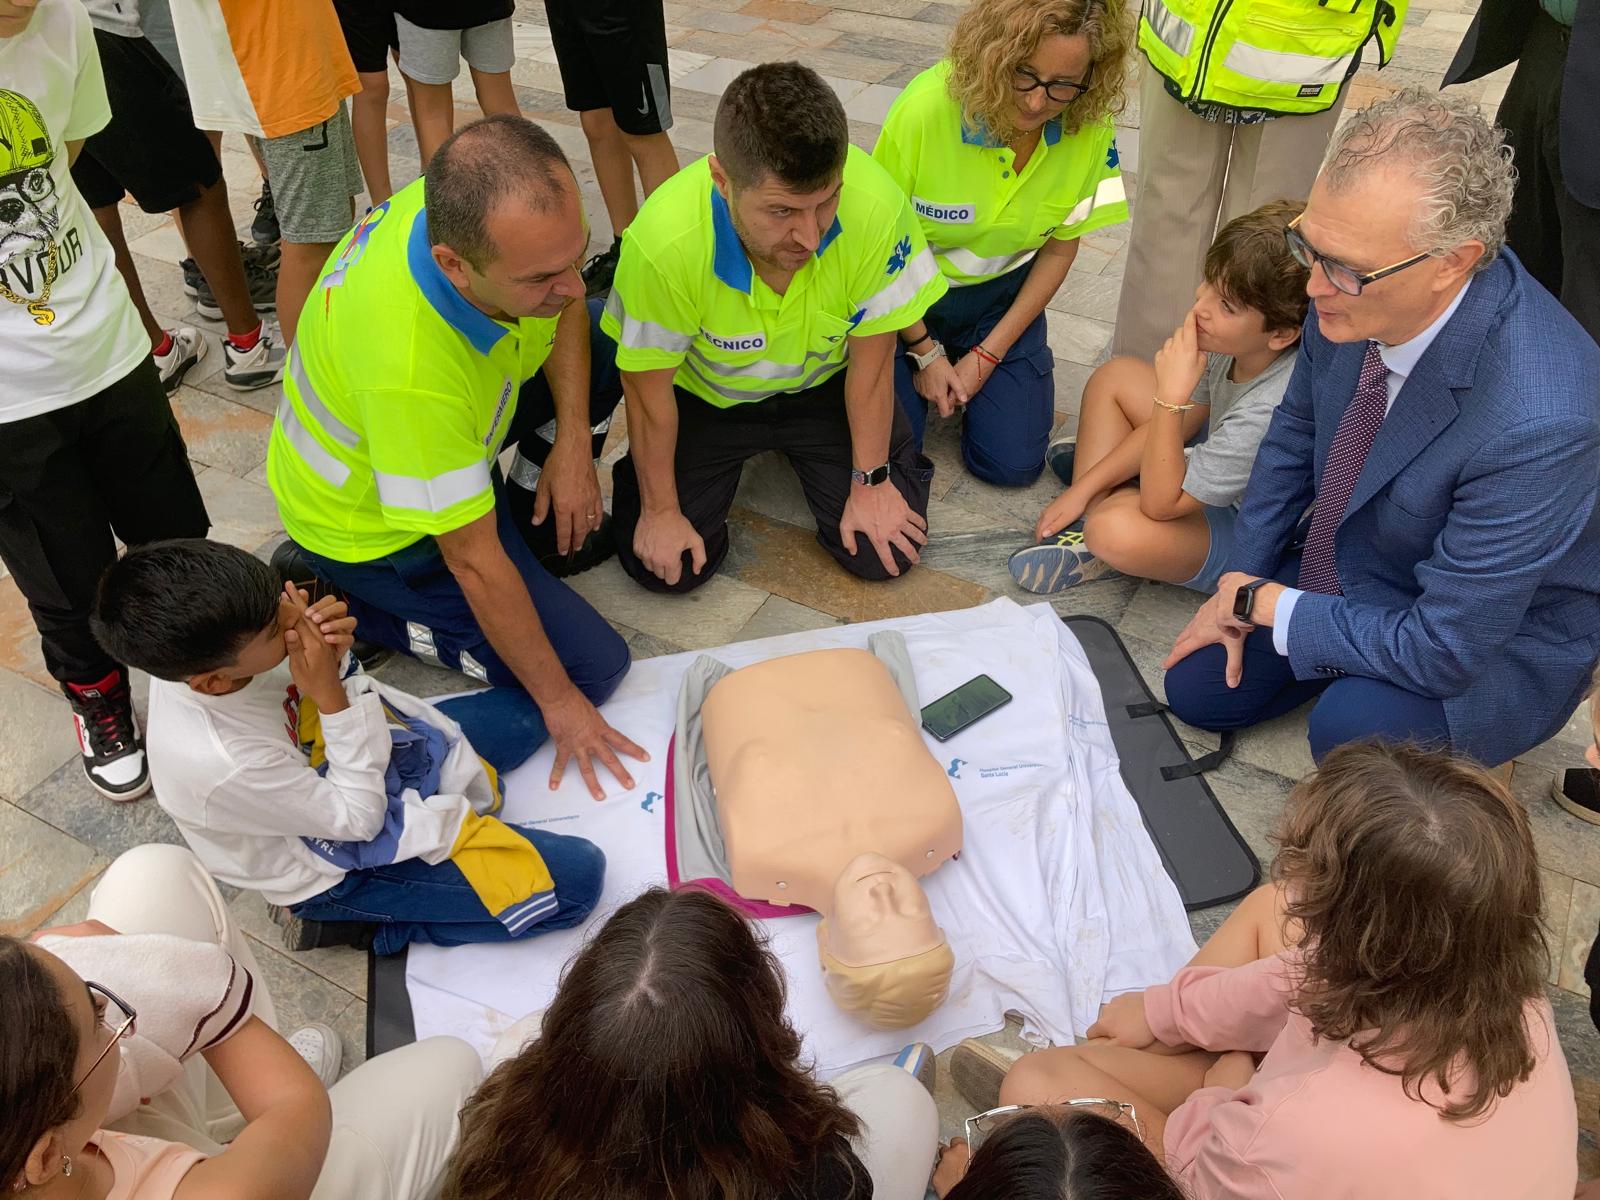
x=1391, y=985
x=1008, y=152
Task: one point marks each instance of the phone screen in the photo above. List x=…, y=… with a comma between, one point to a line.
x=972, y=701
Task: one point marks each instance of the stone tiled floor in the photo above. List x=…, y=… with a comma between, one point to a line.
x=56, y=836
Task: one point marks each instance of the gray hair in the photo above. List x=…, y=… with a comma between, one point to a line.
x=481, y=164
x=1444, y=141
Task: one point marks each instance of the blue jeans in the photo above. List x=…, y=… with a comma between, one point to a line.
x=1006, y=426
x=413, y=901
x=1351, y=709
x=502, y=724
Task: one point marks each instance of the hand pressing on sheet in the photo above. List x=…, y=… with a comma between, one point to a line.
x=316, y=637
x=582, y=735
x=1123, y=1022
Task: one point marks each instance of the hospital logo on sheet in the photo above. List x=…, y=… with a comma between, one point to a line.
x=960, y=768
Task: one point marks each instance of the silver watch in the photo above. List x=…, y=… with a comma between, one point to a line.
x=924, y=361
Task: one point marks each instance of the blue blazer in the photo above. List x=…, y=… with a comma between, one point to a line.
x=1470, y=552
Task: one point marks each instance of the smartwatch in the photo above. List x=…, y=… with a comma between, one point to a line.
x=924, y=361
x=870, y=478
x=1245, y=598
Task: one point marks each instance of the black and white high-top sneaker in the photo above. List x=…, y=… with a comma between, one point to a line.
x=109, y=736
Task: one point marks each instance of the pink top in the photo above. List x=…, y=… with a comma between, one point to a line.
x=1317, y=1123
x=144, y=1168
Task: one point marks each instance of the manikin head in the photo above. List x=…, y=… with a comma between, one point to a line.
x=883, y=955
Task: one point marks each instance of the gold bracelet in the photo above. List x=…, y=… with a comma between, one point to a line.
x=1176, y=408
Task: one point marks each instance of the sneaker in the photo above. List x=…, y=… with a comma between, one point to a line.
x=977, y=1069
x=920, y=1060
x=1060, y=454
x=264, y=229
x=302, y=933
x=292, y=565
x=108, y=736
x=258, y=367
x=320, y=1046
x=1057, y=563
x=260, y=276
x=1577, y=789
x=600, y=270
x=188, y=348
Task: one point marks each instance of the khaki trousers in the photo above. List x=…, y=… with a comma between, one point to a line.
x=1194, y=177
x=394, y=1117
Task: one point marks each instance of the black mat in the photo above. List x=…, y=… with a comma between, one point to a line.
x=1200, y=848
x=1202, y=851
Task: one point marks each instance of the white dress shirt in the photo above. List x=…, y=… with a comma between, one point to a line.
x=1401, y=360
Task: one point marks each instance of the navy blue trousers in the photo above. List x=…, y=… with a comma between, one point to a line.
x=1006, y=426
x=1350, y=709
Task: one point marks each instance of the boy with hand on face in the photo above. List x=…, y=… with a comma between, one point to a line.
x=361, y=813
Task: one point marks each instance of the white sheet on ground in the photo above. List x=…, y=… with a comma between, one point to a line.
x=1057, y=903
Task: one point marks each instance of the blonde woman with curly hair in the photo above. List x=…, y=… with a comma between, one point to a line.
x=1008, y=152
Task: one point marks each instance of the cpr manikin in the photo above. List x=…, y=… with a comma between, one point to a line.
x=804, y=781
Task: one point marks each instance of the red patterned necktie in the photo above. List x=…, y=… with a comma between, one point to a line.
x=1352, y=441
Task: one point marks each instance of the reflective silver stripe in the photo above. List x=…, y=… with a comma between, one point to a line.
x=331, y=425
x=634, y=334
x=1109, y=191
x=904, y=287
x=524, y=472
x=969, y=263
x=547, y=431
x=421, y=639
x=1173, y=30
x=822, y=371
x=471, y=666
x=432, y=495
x=1285, y=66
x=660, y=93
x=760, y=369
x=312, y=452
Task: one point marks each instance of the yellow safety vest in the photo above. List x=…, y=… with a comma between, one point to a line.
x=1282, y=56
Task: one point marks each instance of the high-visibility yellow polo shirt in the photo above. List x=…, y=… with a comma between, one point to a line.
x=686, y=295
x=397, y=395
x=981, y=216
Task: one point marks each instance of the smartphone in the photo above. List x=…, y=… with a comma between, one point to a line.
x=969, y=703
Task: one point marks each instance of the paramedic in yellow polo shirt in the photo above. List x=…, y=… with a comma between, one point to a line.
x=1007, y=151
x=755, y=307
x=453, y=311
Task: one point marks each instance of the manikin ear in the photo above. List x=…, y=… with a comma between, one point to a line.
x=211, y=683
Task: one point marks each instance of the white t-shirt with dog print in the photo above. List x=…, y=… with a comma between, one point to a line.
x=68, y=328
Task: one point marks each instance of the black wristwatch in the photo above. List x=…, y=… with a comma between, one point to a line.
x=870, y=478
x=1244, y=599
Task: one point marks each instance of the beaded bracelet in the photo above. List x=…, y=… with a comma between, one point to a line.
x=1176, y=408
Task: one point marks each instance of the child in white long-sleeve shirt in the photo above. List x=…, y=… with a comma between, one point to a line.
x=360, y=811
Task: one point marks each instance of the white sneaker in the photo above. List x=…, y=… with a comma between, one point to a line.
x=320, y=1046
x=188, y=348
x=258, y=367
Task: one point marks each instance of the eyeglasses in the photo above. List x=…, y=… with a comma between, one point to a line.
x=113, y=1014
x=1062, y=91
x=1347, y=279
x=983, y=1124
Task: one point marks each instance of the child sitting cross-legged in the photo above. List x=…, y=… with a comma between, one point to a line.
x=363, y=814
x=1138, y=502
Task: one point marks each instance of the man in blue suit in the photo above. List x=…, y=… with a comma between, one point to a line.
x=1443, y=426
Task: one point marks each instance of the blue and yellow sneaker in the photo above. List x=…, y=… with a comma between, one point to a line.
x=1057, y=563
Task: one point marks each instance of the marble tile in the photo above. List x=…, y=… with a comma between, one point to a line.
x=680, y=63
x=713, y=75
x=39, y=728
x=41, y=869
x=1566, y=748
x=778, y=616
x=942, y=14
x=1254, y=800
x=20, y=654
x=242, y=514
x=1566, y=843
x=872, y=102
x=928, y=34
x=1576, y=1031
x=645, y=645
x=708, y=616
x=770, y=487
x=221, y=434
x=788, y=562
x=1088, y=295
x=837, y=59
x=1583, y=919
x=343, y=966
x=66, y=801
x=1159, y=612
x=1077, y=339
x=1556, y=891
x=298, y=993
x=1103, y=598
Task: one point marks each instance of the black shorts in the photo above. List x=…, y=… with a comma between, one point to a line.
x=368, y=32
x=151, y=148
x=613, y=54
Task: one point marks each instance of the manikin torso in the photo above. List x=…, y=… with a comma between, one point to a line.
x=828, y=797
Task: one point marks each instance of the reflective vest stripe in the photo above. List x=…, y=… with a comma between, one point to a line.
x=636, y=334
x=1109, y=191
x=916, y=275
x=1284, y=66
x=698, y=365
x=330, y=424
x=436, y=494
x=1173, y=30
x=969, y=264
x=312, y=452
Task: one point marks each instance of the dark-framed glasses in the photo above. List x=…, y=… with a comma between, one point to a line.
x=112, y=1014
x=1346, y=279
x=1061, y=91
x=983, y=1124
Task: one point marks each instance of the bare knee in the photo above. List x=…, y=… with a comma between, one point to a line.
x=600, y=127
x=1042, y=1076
x=1111, y=531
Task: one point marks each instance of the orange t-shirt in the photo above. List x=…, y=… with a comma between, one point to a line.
x=267, y=69
x=144, y=1168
